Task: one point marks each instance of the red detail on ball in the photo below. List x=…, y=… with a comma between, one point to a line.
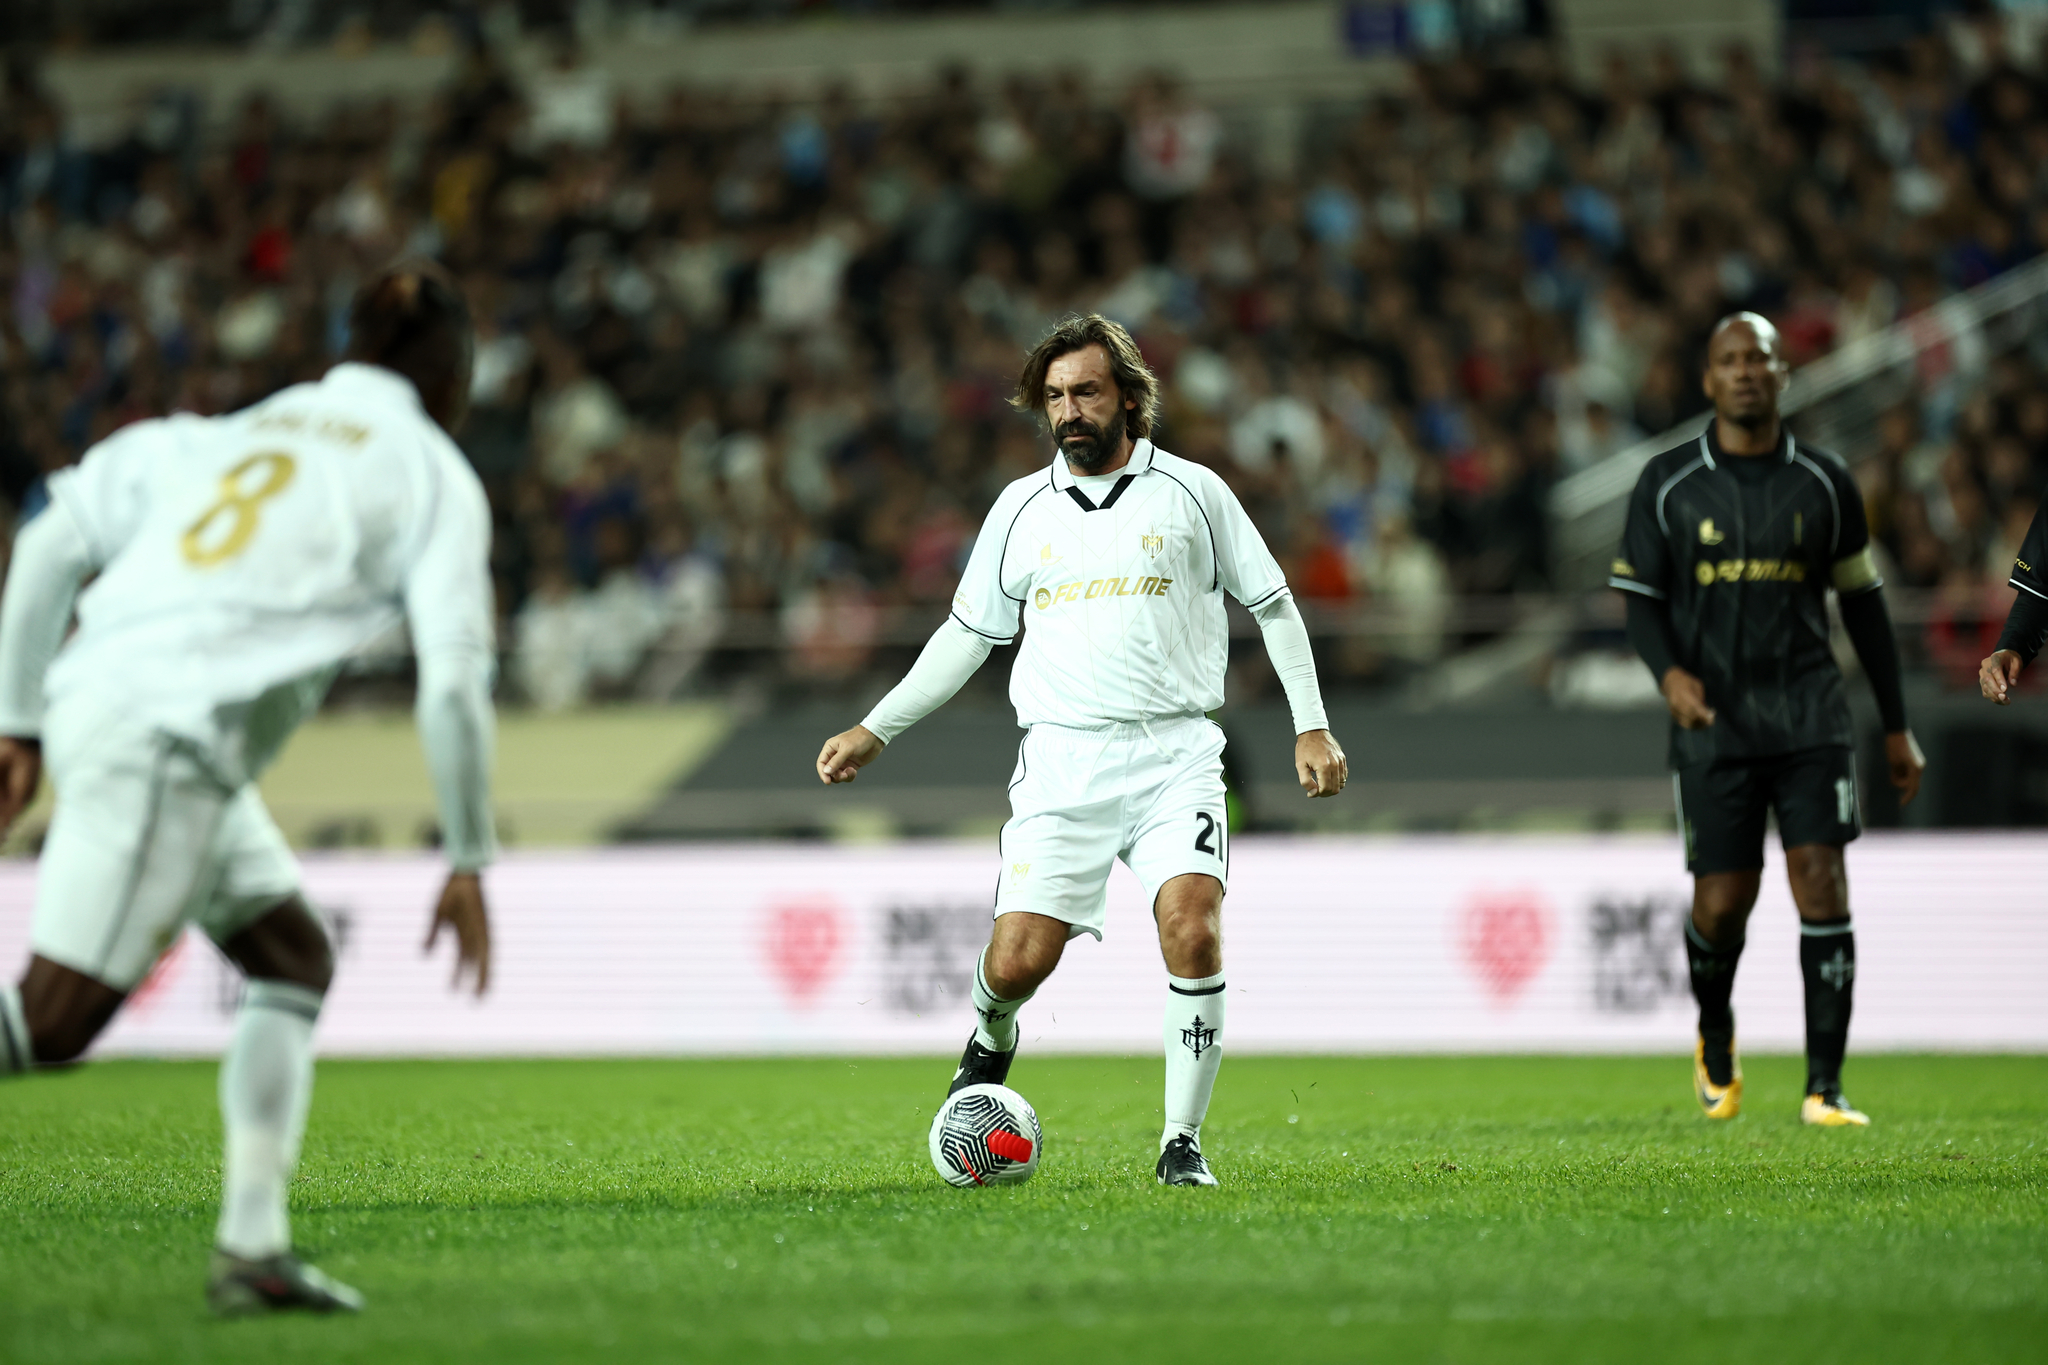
x=1010, y=1146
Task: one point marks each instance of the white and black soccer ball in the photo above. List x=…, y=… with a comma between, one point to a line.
x=986, y=1135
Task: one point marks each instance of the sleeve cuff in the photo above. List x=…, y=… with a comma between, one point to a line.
x=1630, y=585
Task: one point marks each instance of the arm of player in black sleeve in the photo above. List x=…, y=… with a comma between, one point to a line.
x=1864, y=615
x=2026, y=625
x=1869, y=624
x=1649, y=632
x=1642, y=574
x=1861, y=589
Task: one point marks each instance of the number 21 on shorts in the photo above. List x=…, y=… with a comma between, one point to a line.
x=1208, y=834
x=204, y=544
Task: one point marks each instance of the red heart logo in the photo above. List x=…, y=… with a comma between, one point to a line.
x=1506, y=938
x=803, y=943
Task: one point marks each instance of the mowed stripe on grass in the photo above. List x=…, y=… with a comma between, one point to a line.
x=1456, y=1209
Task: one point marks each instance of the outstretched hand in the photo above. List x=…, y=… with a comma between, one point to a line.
x=1998, y=674
x=21, y=772
x=844, y=755
x=1320, y=764
x=461, y=909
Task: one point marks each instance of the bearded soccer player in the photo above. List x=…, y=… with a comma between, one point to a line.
x=1732, y=544
x=1113, y=563
x=239, y=559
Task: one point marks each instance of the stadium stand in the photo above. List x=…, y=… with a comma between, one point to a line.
x=745, y=361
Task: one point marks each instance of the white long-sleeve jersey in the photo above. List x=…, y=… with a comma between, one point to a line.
x=240, y=559
x=1117, y=584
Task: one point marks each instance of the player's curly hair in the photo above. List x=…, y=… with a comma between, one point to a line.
x=1134, y=378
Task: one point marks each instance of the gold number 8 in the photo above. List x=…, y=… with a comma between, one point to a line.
x=242, y=506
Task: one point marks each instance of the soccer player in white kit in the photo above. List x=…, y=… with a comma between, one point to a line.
x=239, y=560
x=1113, y=562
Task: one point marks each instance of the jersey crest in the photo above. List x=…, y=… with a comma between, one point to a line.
x=1710, y=536
x=1153, y=544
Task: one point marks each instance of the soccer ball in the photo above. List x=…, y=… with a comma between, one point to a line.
x=986, y=1135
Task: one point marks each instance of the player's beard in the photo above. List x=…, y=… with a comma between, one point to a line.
x=1088, y=456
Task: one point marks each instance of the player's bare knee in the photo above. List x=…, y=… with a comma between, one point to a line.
x=1820, y=883
x=1015, y=967
x=1721, y=904
x=289, y=943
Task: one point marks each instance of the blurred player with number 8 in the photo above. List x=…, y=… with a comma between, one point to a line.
x=238, y=561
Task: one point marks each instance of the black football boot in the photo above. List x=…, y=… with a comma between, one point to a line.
x=238, y=1287
x=1182, y=1164
x=980, y=1066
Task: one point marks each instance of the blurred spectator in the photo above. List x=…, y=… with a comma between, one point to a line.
x=749, y=355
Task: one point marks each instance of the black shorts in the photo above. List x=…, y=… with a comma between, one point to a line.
x=1722, y=805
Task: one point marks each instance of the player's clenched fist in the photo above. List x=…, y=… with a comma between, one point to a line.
x=1320, y=764
x=844, y=755
x=1997, y=674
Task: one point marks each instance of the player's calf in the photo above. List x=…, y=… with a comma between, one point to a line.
x=266, y=1077
x=53, y=1016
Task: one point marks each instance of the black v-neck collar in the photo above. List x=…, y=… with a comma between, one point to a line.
x=1074, y=492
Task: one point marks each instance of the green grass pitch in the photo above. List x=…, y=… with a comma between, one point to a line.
x=1413, y=1210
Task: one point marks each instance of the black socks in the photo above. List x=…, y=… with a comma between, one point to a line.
x=1827, y=960
x=1713, y=983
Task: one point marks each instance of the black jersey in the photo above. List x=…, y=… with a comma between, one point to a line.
x=1744, y=550
x=2030, y=570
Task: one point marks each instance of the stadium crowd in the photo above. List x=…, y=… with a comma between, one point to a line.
x=749, y=361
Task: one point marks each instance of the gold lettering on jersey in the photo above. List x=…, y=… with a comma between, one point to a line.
x=243, y=505
x=2022, y=564
x=1749, y=571
x=327, y=428
x=1153, y=544
x=1708, y=535
x=1078, y=591
x=1624, y=569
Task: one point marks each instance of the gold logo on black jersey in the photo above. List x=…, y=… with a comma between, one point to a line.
x=1708, y=535
x=1749, y=571
x=1624, y=569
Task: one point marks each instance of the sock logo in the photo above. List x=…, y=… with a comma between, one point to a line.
x=1839, y=970
x=1198, y=1037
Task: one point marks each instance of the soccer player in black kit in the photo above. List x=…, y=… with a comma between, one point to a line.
x=1732, y=544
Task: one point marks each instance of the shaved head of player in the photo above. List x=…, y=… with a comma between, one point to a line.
x=1735, y=540
x=1746, y=374
x=1113, y=563
x=232, y=563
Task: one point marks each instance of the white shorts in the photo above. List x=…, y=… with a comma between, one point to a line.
x=1081, y=799
x=144, y=841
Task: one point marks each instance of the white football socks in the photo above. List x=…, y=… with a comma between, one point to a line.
x=266, y=1086
x=16, y=1054
x=1194, y=1051
x=995, y=1023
